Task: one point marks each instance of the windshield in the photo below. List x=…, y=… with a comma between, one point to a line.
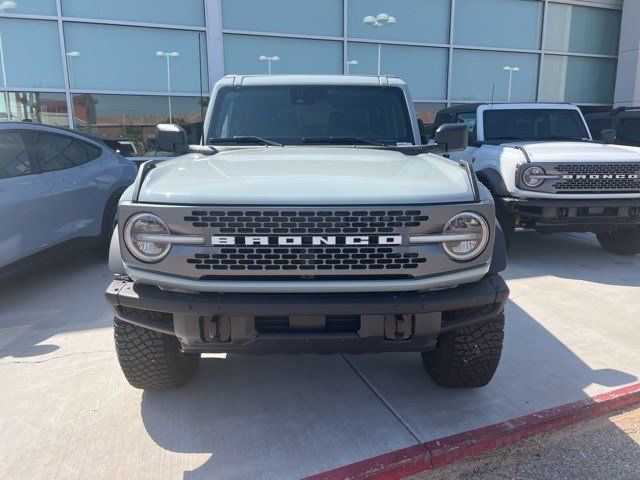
x=295, y=115
x=534, y=124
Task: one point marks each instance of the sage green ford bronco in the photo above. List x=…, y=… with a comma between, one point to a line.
x=311, y=219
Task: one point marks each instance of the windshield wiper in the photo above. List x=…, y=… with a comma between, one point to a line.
x=244, y=139
x=509, y=137
x=560, y=137
x=347, y=140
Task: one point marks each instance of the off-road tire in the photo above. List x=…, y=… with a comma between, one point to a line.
x=467, y=357
x=507, y=221
x=152, y=360
x=625, y=241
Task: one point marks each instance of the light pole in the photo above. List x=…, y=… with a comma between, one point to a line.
x=4, y=6
x=8, y=5
x=509, y=69
x=351, y=63
x=264, y=58
x=377, y=22
x=70, y=55
x=168, y=55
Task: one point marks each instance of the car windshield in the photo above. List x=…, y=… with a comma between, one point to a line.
x=534, y=124
x=312, y=114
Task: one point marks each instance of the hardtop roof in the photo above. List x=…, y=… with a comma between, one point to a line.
x=372, y=80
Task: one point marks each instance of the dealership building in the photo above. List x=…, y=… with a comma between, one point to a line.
x=115, y=68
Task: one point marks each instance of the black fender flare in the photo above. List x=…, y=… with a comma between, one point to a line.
x=499, y=256
x=116, y=265
x=492, y=179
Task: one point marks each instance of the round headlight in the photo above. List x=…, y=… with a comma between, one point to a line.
x=528, y=176
x=469, y=235
x=136, y=228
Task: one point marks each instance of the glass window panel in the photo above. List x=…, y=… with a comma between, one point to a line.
x=423, y=68
x=310, y=17
x=498, y=23
x=290, y=114
x=39, y=107
x=241, y=54
x=578, y=29
x=128, y=122
x=57, y=152
x=478, y=75
x=578, y=79
x=170, y=12
x=126, y=59
x=31, y=7
x=14, y=161
x=417, y=20
x=41, y=67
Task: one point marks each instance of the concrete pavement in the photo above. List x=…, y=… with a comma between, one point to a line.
x=67, y=411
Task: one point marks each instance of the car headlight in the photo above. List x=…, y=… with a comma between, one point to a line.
x=147, y=225
x=533, y=176
x=468, y=233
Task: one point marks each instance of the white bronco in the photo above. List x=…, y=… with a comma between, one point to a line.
x=547, y=174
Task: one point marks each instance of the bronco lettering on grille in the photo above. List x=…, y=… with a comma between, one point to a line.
x=596, y=176
x=307, y=240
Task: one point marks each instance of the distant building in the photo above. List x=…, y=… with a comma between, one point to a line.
x=105, y=70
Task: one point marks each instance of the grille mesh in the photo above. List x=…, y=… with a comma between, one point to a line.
x=599, y=184
x=316, y=222
x=324, y=259
x=599, y=168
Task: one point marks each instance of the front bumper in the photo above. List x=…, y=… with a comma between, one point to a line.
x=308, y=322
x=563, y=215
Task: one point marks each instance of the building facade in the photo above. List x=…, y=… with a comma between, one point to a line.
x=118, y=68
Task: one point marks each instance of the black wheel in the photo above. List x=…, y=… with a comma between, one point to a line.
x=623, y=241
x=468, y=357
x=152, y=360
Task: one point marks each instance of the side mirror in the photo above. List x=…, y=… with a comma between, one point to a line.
x=452, y=136
x=171, y=138
x=608, y=135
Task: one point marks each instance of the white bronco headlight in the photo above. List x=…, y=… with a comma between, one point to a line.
x=468, y=234
x=533, y=176
x=142, y=233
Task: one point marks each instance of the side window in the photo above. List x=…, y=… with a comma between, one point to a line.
x=57, y=152
x=469, y=119
x=629, y=131
x=92, y=151
x=14, y=161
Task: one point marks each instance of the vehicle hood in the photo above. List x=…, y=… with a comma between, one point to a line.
x=578, y=152
x=307, y=175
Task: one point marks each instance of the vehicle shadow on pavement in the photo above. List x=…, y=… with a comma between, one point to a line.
x=286, y=417
x=59, y=295
x=569, y=256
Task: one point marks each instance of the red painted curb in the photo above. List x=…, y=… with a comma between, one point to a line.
x=444, y=451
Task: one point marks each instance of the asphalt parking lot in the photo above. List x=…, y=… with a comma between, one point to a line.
x=67, y=411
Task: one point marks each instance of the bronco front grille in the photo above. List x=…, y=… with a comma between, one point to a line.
x=317, y=222
x=599, y=177
x=322, y=259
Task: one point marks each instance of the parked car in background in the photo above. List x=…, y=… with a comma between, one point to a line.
x=624, y=120
x=547, y=174
x=56, y=185
x=126, y=148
